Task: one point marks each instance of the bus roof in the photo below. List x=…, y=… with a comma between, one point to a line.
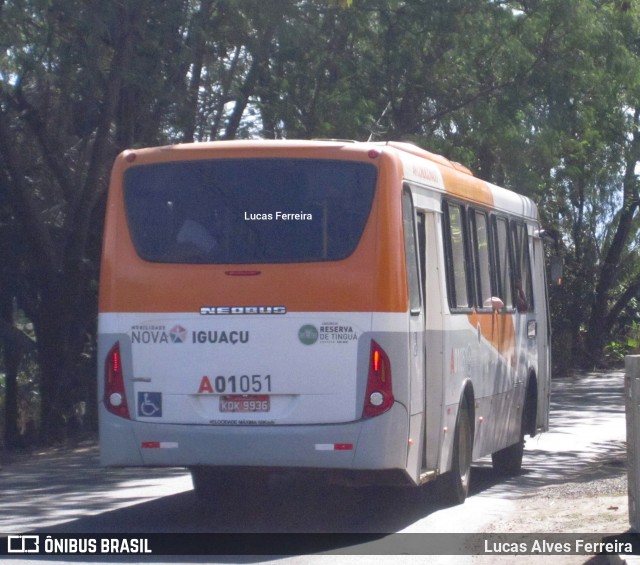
x=419, y=165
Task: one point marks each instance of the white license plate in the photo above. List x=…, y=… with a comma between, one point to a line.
x=245, y=403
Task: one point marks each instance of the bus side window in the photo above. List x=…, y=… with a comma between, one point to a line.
x=482, y=258
x=503, y=261
x=456, y=256
x=524, y=288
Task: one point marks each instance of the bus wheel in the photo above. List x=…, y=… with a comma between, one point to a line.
x=455, y=483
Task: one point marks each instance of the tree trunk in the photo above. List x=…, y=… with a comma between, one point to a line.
x=11, y=366
x=600, y=321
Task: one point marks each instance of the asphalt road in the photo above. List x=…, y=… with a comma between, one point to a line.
x=67, y=492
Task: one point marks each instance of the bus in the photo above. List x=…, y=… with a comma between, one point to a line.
x=369, y=312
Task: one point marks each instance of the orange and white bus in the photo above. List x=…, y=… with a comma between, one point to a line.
x=368, y=311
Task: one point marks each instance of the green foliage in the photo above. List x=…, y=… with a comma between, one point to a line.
x=540, y=96
x=28, y=401
x=626, y=343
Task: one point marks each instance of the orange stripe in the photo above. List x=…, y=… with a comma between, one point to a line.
x=466, y=187
x=499, y=330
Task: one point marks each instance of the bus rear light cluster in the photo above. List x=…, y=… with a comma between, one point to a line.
x=115, y=398
x=379, y=395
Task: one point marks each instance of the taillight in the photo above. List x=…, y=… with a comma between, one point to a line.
x=115, y=399
x=379, y=396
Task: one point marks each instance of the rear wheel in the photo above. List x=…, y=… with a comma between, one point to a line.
x=455, y=483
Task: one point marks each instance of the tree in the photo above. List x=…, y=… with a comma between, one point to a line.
x=59, y=94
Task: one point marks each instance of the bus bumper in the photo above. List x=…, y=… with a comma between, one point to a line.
x=378, y=443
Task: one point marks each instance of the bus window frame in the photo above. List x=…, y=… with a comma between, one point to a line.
x=509, y=302
x=519, y=234
x=514, y=228
x=482, y=304
x=448, y=255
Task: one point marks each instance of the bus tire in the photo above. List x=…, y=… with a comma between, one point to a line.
x=455, y=483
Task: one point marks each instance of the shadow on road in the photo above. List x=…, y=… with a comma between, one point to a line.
x=63, y=484
x=68, y=492
x=304, y=516
x=289, y=505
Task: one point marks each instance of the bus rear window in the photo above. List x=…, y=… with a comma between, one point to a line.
x=235, y=211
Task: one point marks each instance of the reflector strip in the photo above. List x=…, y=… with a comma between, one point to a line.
x=334, y=446
x=159, y=444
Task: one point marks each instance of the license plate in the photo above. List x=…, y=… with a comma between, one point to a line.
x=245, y=403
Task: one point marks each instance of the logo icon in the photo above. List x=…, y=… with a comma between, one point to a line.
x=308, y=334
x=150, y=404
x=178, y=334
x=23, y=544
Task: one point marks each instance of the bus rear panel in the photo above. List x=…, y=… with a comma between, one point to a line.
x=237, y=309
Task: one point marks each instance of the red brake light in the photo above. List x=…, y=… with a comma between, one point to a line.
x=379, y=395
x=115, y=399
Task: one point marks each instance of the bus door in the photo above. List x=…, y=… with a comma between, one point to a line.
x=413, y=225
x=430, y=237
x=425, y=330
x=540, y=329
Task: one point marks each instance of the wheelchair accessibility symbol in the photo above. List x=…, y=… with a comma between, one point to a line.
x=150, y=404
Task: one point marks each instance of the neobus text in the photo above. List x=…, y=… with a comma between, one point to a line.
x=225, y=310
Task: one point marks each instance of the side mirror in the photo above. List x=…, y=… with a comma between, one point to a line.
x=556, y=266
